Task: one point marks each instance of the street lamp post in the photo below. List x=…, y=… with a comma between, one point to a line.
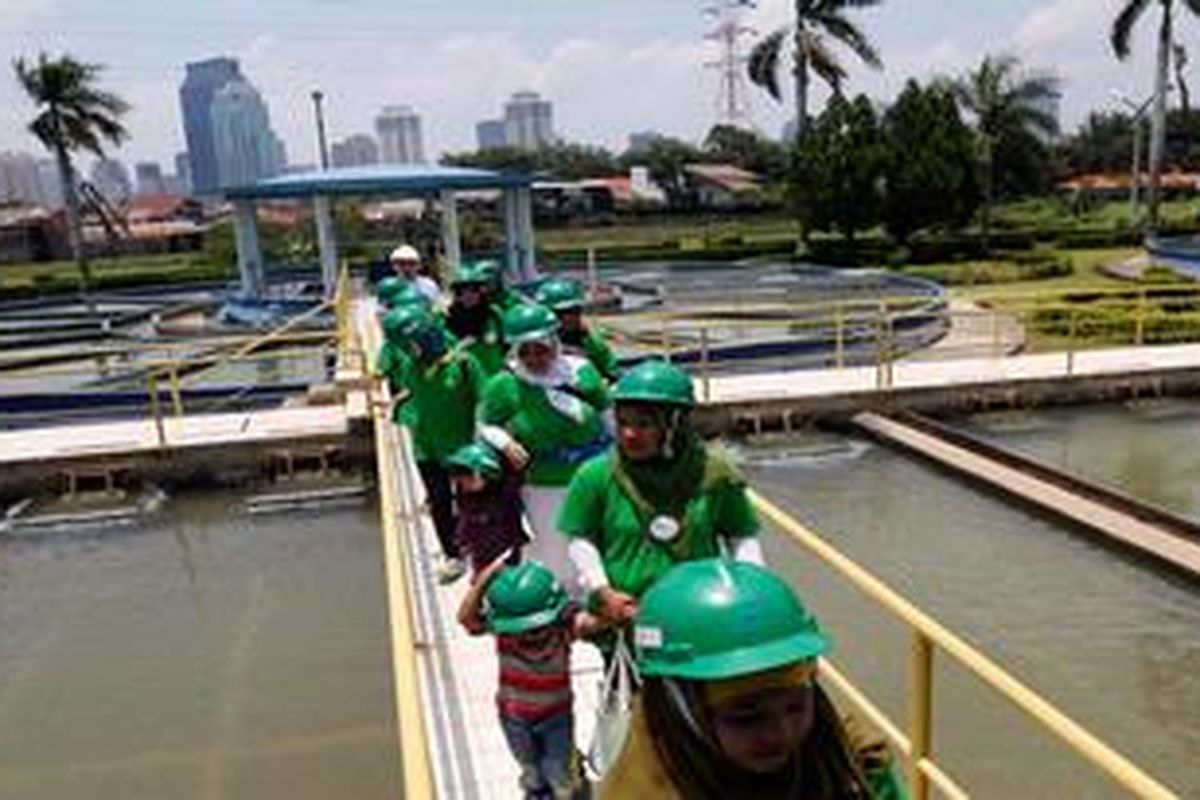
x=317, y=97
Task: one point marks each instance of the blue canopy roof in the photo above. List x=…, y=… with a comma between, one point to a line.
x=378, y=179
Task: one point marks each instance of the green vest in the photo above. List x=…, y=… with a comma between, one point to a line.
x=598, y=509
x=442, y=402
x=557, y=444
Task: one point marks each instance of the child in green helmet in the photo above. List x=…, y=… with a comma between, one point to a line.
x=487, y=495
x=534, y=622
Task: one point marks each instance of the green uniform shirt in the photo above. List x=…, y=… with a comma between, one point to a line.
x=443, y=397
x=557, y=444
x=489, y=350
x=391, y=363
x=599, y=510
x=597, y=351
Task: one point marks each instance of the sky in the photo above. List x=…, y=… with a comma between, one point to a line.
x=610, y=67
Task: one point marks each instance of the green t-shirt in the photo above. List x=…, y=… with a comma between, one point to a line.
x=595, y=347
x=556, y=443
x=442, y=403
x=599, y=510
x=391, y=363
x=489, y=350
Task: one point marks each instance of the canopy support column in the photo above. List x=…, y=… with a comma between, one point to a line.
x=525, y=244
x=512, y=245
x=250, y=266
x=327, y=243
x=451, y=244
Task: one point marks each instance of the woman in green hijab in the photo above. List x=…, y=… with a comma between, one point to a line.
x=659, y=497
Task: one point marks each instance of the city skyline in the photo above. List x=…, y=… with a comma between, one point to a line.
x=456, y=64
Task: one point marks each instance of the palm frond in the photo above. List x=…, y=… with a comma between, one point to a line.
x=763, y=64
x=850, y=35
x=1124, y=24
x=822, y=61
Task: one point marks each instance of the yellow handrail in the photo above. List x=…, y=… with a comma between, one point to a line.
x=400, y=522
x=931, y=636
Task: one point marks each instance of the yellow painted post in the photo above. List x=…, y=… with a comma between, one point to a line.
x=705, y=390
x=839, y=328
x=664, y=336
x=176, y=393
x=1139, y=320
x=879, y=350
x=1071, y=344
x=920, y=712
x=994, y=321
x=156, y=410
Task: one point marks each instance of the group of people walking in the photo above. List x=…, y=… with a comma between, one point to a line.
x=586, y=506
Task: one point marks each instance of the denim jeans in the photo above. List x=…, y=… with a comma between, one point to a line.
x=545, y=752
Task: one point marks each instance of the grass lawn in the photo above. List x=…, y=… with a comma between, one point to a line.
x=63, y=276
x=1085, y=273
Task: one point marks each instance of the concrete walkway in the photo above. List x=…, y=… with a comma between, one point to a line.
x=1117, y=524
x=965, y=372
x=975, y=332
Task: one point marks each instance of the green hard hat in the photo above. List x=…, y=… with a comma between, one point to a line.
x=388, y=286
x=715, y=619
x=655, y=382
x=402, y=323
x=528, y=321
x=475, y=457
x=405, y=294
x=468, y=273
x=490, y=270
x=524, y=597
x=561, y=294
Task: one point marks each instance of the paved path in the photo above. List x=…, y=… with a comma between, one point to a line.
x=975, y=332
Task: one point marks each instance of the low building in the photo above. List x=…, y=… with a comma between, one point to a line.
x=32, y=233
x=723, y=186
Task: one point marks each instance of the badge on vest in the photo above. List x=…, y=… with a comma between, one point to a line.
x=664, y=529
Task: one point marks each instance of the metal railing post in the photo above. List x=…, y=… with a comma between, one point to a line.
x=839, y=333
x=705, y=388
x=664, y=336
x=1071, y=344
x=1139, y=319
x=920, y=712
x=176, y=392
x=156, y=410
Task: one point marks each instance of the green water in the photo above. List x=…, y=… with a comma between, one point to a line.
x=210, y=654
x=1113, y=643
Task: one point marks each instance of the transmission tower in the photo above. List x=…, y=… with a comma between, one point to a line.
x=733, y=96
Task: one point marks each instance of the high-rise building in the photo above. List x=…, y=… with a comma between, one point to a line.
x=246, y=147
x=399, y=131
x=528, y=121
x=149, y=177
x=183, y=174
x=20, y=181
x=355, y=151
x=204, y=79
x=111, y=179
x=489, y=134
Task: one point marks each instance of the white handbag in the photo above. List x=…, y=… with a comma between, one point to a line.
x=614, y=713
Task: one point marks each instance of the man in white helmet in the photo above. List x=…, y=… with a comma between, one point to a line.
x=406, y=261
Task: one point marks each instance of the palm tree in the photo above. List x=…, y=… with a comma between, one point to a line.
x=1001, y=102
x=818, y=24
x=72, y=115
x=1122, y=31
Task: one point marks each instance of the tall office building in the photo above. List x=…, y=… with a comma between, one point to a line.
x=528, y=121
x=149, y=177
x=183, y=173
x=111, y=179
x=245, y=146
x=399, y=132
x=204, y=79
x=20, y=180
x=489, y=134
x=354, y=151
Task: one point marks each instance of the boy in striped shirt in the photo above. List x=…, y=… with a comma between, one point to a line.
x=534, y=622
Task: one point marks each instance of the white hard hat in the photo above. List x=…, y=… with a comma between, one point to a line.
x=406, y=252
